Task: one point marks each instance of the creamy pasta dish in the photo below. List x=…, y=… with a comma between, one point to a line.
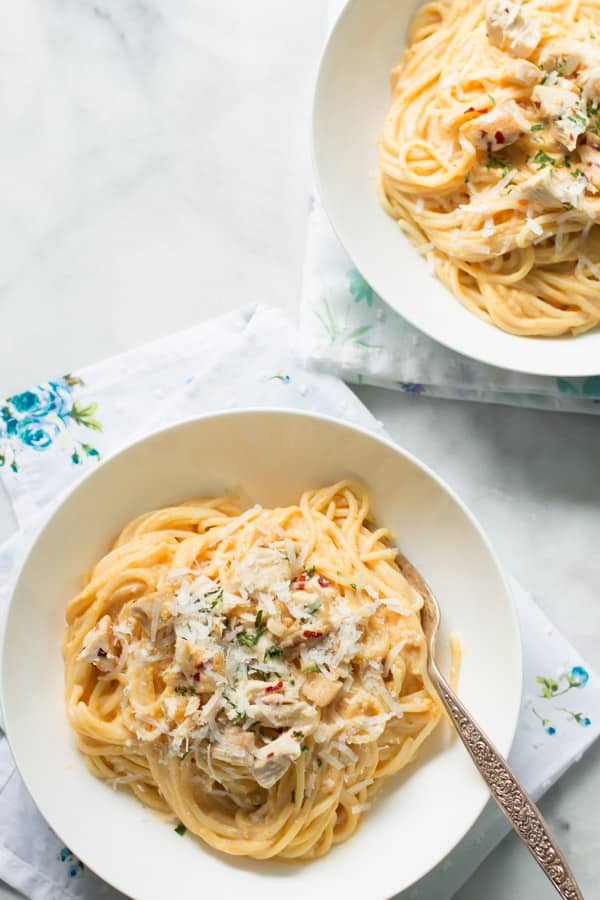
x=256, y=675
x=490, y=157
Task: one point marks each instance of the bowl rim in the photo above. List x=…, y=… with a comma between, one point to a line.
x=578, y=368
x=504, y=747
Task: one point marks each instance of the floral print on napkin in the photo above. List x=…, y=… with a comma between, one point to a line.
x=550, y=689
x=39, y=417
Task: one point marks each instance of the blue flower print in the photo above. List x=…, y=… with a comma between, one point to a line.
x=34, y=418
x=551, y=688
x=359, y=288
x=578, y=676
x=588, y=387
x=37, y=433
x=74, y=866
x=411, y=387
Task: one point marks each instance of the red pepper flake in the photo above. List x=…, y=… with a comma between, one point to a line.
x=301, y=581
x=196, y=676
x=312, y=634
x=499, y=137
x=274, y=687
x=470, y=109
x=270, y=755
x=324, y=582
x=102, y=652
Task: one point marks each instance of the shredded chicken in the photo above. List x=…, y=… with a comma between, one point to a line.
x=272, y=761
x=589, y=154
x=235, y=747
x=498, y=128
x=565, y=113
x=554, y=189
x=510, y=30
x=320, y=690
x=563, y=56
x=98, y=647
x=263, y=569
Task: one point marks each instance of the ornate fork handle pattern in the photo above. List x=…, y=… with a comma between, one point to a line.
x=510, y=796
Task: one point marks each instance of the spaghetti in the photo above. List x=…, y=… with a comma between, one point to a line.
x=256, y=674
x=490, y=157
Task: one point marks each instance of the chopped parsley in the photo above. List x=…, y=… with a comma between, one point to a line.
x=467, y=177
x=495, y=162
x=577, y=173
x=304, y=748
x=258, y=674
x=273, y=651
x=240, y=718
x=310, y=572
x=218, y=592
x=180, y=829
x=183, y=691
x=352, y=585
x=544, y=79
x=313, y=668
x=492, y=100
x=312, y=607
x=298, y=735
x=251, y=640
x=543, y=159
x=538, y=127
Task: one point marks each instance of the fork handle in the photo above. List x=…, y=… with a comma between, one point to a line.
x=509, y=794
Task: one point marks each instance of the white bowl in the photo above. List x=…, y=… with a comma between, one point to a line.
x=272, y=456
x=351, y=100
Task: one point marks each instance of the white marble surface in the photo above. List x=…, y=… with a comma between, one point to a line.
x=154, y=170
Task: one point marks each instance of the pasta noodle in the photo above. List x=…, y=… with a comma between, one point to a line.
x=255, y=674
x=490, y=157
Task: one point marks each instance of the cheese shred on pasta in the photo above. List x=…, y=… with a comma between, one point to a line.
x=256, y=674
x=490, y=157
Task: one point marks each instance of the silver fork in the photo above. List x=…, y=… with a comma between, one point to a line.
x=509, y=794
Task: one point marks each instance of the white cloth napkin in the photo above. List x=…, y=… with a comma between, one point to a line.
x=49, y=435
x=349, y=331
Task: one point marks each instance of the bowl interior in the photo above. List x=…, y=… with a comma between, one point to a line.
x=351, y=100
x=270, y=457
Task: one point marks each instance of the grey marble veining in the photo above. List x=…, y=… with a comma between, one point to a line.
x=154, y=171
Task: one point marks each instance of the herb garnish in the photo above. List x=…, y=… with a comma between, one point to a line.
x=183, y=691
x=180, y=829
x=543, y=159
x=352, y=585
x=312, y=607
x=319, y=762
x=313, y=668
x=251, y=640
x=298, y=735
x=538, y=127
x=467, y=177
x=310, y=572
x=497, y=162
x=492, y=100
x=273, y=651
x=258, y=674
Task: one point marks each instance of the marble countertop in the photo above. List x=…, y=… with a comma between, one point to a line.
x=155, y=169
